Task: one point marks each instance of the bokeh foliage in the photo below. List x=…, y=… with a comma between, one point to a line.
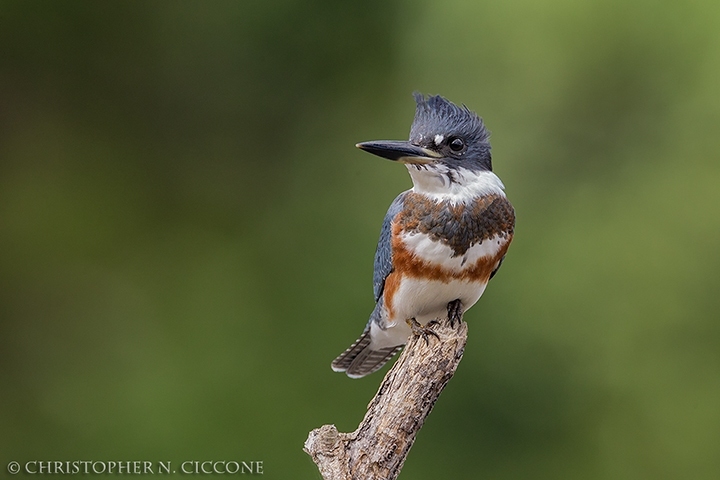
x=186, y=231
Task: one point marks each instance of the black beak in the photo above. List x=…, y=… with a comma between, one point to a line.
x=404, y=152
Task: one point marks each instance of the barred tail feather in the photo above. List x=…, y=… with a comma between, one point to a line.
x=360, y=360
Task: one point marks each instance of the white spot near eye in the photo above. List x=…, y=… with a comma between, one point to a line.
x=439, y=139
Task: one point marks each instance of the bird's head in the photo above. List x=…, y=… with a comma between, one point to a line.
x=446, y=141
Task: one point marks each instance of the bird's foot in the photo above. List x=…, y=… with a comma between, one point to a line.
x=455, y=312
x=422, y=331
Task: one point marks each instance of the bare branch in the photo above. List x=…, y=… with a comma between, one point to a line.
x=407, y=394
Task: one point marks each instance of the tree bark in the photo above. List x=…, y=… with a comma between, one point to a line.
x=378, y=448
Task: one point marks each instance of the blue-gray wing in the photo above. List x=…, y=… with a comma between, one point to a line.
x=383, y=254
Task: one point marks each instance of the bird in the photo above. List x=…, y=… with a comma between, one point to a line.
x=440, y=241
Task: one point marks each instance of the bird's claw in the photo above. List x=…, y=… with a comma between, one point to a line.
x=455, y=312
x=422, y=331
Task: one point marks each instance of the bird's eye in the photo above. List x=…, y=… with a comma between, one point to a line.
x=456, y=144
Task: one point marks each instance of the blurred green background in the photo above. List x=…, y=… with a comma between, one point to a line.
x=187, y=232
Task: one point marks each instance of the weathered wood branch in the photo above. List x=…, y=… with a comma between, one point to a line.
x=378, y=448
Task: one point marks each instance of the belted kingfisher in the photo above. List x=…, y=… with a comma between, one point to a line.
x=440, y=241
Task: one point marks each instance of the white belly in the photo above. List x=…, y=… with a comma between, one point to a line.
x=423, y=300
